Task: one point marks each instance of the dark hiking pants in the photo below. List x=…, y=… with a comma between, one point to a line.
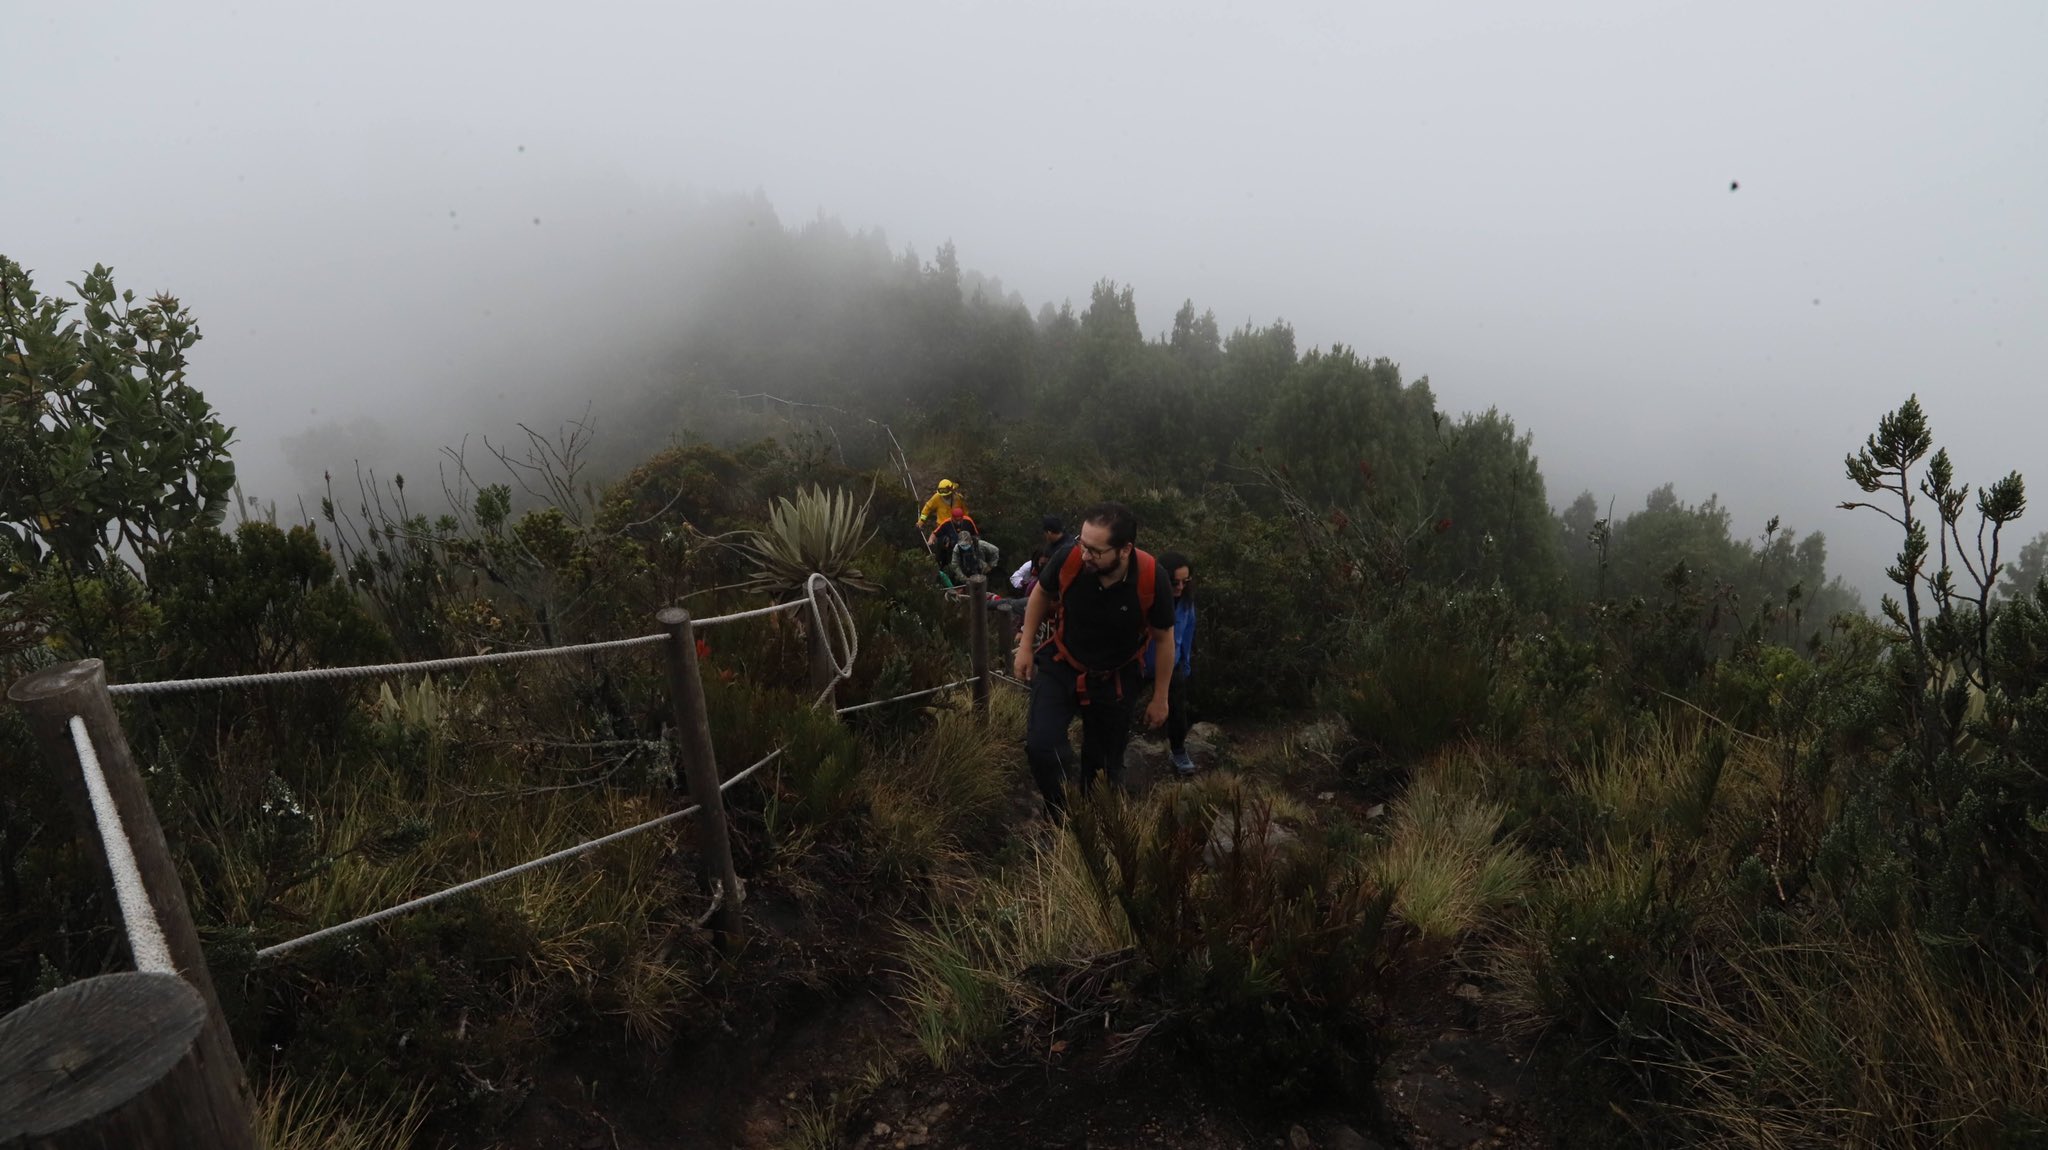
x=1105, y=727
x=1177, y=711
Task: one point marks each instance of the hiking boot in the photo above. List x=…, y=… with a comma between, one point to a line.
x=1183, y=763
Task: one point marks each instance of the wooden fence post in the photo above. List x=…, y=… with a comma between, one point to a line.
x=977, y=639
x=118, y=1060
x=700, y=769
x=824, y=673
x=1005, y=639
x=50, y=697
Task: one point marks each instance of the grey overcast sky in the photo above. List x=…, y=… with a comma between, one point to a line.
x=1527, y=202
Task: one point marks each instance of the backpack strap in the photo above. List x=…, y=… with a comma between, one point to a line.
x=1070, y=570
x=1148, y=587
x=1146, y=573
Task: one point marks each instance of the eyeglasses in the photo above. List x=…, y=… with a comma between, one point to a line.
x=1097, y=552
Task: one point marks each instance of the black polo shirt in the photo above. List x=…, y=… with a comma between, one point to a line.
x=1103, y=624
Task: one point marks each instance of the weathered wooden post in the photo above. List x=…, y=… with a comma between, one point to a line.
x=977, y=639
x=49, y=698
x=119, y=1060
x=1005, y=640
x=824, y=673
x=700, y=770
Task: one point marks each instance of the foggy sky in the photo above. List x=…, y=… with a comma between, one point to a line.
x=1529, y=203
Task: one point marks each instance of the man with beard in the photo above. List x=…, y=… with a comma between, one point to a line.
x=1108, y=602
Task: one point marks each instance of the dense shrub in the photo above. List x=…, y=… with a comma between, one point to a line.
x=1275, y=955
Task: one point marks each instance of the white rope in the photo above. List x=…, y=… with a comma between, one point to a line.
x=375, y=670
x=715, y=620
x=772, y=756
x=500, y=876
x=321, y=674
x=900, y=698
x=842, y=619
x=145, y=934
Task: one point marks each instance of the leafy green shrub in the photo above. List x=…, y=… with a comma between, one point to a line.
x=815, y=780
x=1268, y=621
x=260, y=600
x=1425, y=674
x=1600, y=939
x=106, y=451
x=1275, y=954
x=1944, y=826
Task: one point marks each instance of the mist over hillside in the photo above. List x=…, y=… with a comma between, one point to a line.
x=1565, y=659
x=1704, y=247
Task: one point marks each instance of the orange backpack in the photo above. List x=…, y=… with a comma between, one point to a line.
x=1147, y=575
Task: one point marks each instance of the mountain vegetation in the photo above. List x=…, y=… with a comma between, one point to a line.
x=1752, y=867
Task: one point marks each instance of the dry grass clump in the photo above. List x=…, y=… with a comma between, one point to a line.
x=963, y=967
x=1836, y=1040
x=322, y=1116
x=1444, y=855
x=939, y=788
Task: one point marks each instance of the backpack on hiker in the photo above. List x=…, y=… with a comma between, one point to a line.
x=967, y=554
x=1146, y=572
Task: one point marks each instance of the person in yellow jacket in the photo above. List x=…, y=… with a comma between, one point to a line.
x=939, y=508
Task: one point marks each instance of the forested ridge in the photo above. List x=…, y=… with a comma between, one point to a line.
x=1731, y=860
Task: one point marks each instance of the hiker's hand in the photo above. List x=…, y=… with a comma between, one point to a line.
x=1022, y=663
x=1155, y=711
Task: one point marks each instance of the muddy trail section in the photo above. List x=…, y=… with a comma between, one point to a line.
x=810, y=1048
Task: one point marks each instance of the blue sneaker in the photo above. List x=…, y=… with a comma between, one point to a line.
x=1183, y=764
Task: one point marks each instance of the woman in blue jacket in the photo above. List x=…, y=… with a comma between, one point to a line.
x=1183, y=577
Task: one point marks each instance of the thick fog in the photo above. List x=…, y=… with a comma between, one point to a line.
x=1703, y=243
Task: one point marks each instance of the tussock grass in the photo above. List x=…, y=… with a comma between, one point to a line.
x=1791, y=1031
x=322, y=1116
x=648, y=996
x=967, y=968
x=1661, y=782
x=962, y=969
x=1835, y=1040
x=1573, y=958
x=430, y=793
x=938, y=789
x=820, y=1125
x=1444, y=854
x=1602, y=921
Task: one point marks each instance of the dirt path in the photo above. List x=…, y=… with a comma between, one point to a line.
x=768, y=1076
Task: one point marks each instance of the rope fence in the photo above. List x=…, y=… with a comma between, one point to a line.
x=145, y=935
x=545, y=860
x=567, y=853
x=428, y=900
x=374, y=670
x=423, y=666
x=70, y=709
x=900, y=698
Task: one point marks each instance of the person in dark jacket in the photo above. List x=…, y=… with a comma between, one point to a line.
x=1055, y=532
x=970, y=554
x=1089, y=666
x=1182, y=576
